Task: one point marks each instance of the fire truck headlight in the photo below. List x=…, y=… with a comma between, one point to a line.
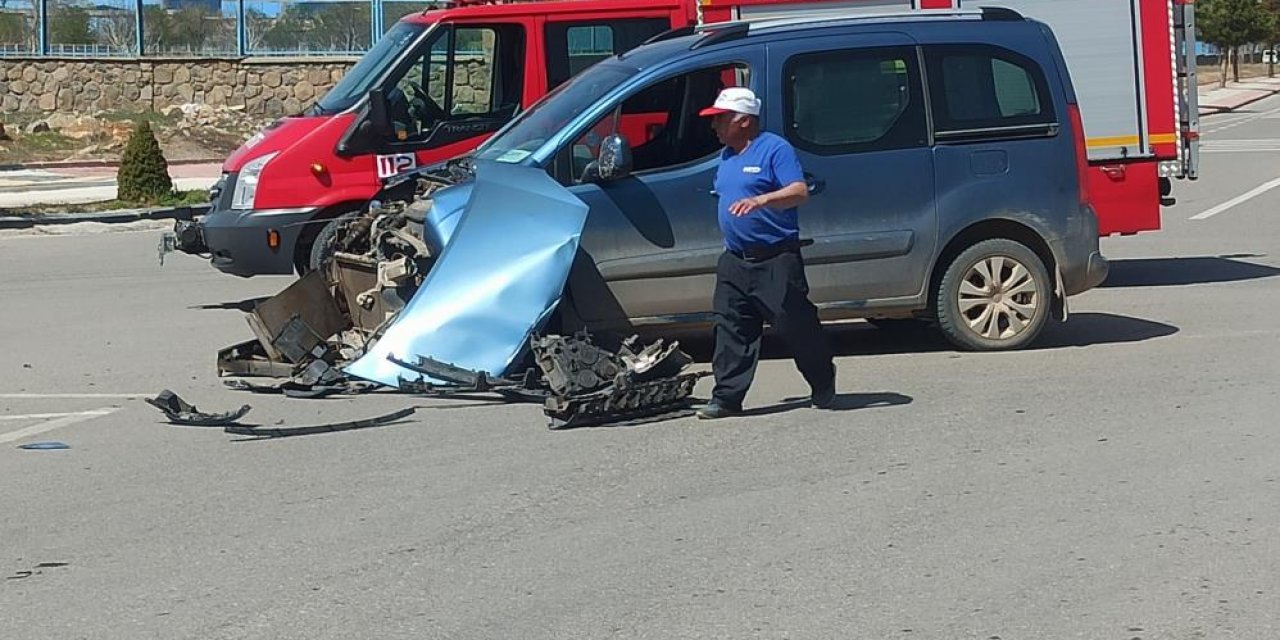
x=247, y=182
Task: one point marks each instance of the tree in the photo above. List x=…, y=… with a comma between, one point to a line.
x=116, y=29
x=143, y=176
x=333, y=26
x=1272, y=9
x=258, y=25
x=70, y=25
x=14, y=30
x=343, y=26
x=1230, y=24
x=189, y=28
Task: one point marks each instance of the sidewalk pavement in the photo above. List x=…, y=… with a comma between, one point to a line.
x=78, y=185
x=1236, y=94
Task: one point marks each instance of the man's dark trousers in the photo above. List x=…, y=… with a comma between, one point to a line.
x=748, y=294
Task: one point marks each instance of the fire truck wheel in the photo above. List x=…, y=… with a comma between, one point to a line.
x=994, y=296
x=321, y=249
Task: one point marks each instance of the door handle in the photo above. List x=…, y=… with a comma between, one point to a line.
x=1114, y=171
x=814, y=184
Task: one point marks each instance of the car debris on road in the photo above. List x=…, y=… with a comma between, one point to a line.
x=181, y=412
x=451, y=305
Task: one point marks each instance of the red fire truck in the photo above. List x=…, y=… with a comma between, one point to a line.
x=454, y=76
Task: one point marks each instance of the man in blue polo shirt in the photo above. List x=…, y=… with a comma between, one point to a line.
x=760, y=276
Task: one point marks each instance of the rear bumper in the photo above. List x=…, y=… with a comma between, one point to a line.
x=1079, y=255
x=237, y=240
x=1096, y=272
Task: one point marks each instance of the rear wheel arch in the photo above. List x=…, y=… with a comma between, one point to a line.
x=999, y=228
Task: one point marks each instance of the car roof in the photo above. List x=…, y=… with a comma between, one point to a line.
x=672, y=43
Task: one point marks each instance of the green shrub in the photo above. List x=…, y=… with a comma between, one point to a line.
x=144, y=174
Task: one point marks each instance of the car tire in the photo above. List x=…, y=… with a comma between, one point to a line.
x=995, y=296
x=321, y=250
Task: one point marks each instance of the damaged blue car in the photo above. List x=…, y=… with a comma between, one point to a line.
x=940, y=155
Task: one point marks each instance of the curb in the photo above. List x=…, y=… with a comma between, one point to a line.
x=1205, y=111
x=76, y=164
x=124, y=215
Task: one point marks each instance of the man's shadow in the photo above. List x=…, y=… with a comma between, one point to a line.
x=843, y=402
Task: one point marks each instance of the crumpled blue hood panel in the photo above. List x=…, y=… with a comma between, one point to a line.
x=447, y=206
x=503, y=268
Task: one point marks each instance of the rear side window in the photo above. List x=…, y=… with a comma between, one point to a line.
x=855, y=100
x=981, y=88
x=574, y=46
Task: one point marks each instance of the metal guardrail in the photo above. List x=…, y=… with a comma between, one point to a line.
x=135, y=28
x=211, y=28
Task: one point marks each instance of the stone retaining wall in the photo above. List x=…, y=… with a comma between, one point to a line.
x=268, y=87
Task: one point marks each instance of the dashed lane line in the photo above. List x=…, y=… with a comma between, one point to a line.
x=58, y=423
x=72, y=396
x=1238, y=200
x=40, y=416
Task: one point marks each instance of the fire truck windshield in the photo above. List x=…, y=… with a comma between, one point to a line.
x=371, y=68
x=547, y=117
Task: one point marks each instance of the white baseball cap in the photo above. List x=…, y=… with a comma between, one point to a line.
x=734, y=100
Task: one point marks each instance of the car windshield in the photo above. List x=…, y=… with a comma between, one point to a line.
x=524, y=135
x=357, y=82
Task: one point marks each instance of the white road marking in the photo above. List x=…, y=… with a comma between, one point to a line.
x=1216, y=125
x=1267, y=145
x=1237, y=200
x=71, y=396
x=39, y=416
x=56, y=424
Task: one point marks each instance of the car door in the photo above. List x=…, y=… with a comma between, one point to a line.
x=855, y=109
x=651, y=240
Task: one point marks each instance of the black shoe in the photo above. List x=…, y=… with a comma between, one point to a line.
x=825, y=398
x=713, y=410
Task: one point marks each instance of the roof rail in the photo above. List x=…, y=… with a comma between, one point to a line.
x=727, y=31
x=716, y=32
x=879, y=16
x=671, y=34
x=1003, y=14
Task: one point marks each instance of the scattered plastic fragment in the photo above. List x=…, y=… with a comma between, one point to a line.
x=283, y=432
x=179, y=411
x=45, y=446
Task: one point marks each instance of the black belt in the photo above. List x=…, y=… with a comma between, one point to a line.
x=766, y=252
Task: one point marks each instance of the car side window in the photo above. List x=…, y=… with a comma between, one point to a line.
x=572, y=46
x=855, y=100
x=976, y=88
x=660, y=123
x=465, y=73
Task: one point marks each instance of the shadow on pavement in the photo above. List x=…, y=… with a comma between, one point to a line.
x=862, y=339
x=854, y=401
x=1172, y=272
x=1086, y=329
x=790, y=404
x=246, y=305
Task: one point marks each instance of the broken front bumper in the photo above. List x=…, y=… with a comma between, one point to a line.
x=238, y=242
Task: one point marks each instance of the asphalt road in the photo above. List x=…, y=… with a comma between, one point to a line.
x=1118, y=481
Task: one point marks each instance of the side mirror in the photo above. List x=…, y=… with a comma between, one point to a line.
x=379, y=118
x=614, y=161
